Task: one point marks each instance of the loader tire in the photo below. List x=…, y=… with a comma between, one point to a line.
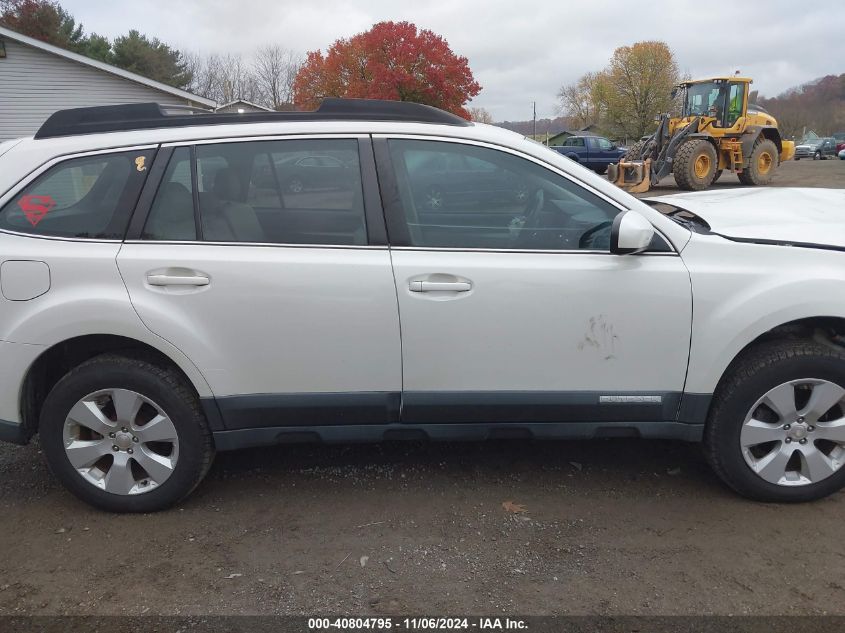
x=761, y=164
x=634, y=151
x=695, y=164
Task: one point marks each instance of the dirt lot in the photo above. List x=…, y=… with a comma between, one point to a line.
x=803, y=173
x=609, y=527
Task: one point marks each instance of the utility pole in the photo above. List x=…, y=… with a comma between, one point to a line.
x=535, y=121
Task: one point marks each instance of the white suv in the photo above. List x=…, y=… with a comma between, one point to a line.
x=176, y=284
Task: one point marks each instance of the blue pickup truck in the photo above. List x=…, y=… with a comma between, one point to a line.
x=595, y=152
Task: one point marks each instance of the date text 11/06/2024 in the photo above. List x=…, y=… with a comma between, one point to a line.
x=416, y=624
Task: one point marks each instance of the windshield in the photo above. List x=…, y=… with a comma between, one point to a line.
x=702, y=97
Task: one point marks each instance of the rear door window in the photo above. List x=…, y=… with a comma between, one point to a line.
x=87, y=197
x=272, y=192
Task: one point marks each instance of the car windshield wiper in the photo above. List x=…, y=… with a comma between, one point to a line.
x=685, y=218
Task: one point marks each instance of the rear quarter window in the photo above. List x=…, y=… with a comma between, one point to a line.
x=87, y=197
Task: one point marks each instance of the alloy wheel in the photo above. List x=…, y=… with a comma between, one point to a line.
x=121, y=441
x=795, y=434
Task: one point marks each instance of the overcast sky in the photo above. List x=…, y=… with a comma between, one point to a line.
x=518, y=51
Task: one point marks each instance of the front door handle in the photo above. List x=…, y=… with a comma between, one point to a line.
x=161, y=279
x=440, y=286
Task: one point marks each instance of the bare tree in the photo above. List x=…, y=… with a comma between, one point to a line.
x=480, y=115
x=203, y=82
x=274, y=69
x=582, y=101
x=234, y=77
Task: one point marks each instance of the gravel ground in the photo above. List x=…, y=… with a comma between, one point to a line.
x=803, y=173
x=603, y=527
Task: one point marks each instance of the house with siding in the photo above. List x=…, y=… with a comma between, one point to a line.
x=37, y=78
x=241, y=106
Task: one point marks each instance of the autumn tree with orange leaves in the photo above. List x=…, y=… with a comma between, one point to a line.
x=393, y=60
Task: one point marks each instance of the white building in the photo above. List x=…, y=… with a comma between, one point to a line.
x=36, y=79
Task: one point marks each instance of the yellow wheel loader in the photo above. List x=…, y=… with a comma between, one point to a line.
x=717, y=130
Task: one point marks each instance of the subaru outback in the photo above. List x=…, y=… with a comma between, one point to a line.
x=167, y=293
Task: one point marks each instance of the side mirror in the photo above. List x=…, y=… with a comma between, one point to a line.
x=630, y=233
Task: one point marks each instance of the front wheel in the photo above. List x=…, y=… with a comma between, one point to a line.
x=761, y=164
x=776, y=431
x=695, y=164
x=125, y=434
x=817, y=156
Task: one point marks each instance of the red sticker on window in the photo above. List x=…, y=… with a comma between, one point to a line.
x=35, y=207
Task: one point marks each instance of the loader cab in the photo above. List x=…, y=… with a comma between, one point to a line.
x=722, y=100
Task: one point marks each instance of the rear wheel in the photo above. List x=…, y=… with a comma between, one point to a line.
x=125, y=435
x=776, y=431
x=634, y=152
x=695, y=164
x=761, y=164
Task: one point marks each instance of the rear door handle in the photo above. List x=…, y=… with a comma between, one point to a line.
x=441, y=286
x=177, y=280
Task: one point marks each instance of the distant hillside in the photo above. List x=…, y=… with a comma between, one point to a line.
x=544, y=126
x=818, y=105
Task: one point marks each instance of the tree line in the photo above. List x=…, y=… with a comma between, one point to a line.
x=818, y=106
x=266, y=77
x=623, y=98
x=392, y=60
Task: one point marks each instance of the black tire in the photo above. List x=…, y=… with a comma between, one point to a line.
x=634, y=151
x=685, y=165
x=754, y=174
x=756, y=372
x=817, y=156
x=717, y=175
x=165, y=386
x=601, y=171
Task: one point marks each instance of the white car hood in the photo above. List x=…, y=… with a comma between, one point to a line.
x=800, y=216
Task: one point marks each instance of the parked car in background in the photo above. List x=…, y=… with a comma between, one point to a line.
x=840, y=145
x=449, y=179
x=595, y=152
x=300, y=173
x=816, y=149
x=314, y=172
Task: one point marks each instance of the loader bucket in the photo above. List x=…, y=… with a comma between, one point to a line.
x=633, y=176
